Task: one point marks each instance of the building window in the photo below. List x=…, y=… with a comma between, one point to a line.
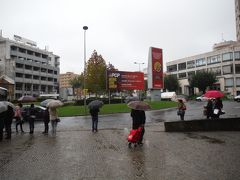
x=228, y=56
x=228, y=82
x=29, y=52
x=28, y=87
x=19, y=65
x=191, y=64
x=238, y=82
x=181, y=66
x=227, y=69
x=19, y=75
x=172, y=68
x=13, y=48
x=237, y=68
x=18, y=86
x=214, y=59
x=190, y=74
x=22, y=50
x=28, y=67
x=28, y=76
x=237, y=55
x=216, y=70
x=43, y=78
x=200, y=62
x=35, y=87
x=182, y=75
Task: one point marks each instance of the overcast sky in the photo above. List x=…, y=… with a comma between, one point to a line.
x=120, y=30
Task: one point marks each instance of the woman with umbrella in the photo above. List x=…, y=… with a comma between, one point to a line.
x=217, y=108
x=53, y=114
x=138, y=116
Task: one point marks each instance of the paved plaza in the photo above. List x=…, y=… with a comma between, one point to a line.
x=77, y=153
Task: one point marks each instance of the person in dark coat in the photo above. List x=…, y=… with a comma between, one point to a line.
x=218, y=105
x=46, y=120
x=94, y=114
x=209, y=109
x=2, y=117
x=31, y=118
x=9, y=114
x=138, y=120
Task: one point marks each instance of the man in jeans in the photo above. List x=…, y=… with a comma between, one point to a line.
x=94, y=114
x=32, y=117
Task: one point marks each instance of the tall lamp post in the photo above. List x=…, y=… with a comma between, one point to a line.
x=139, y=65
x=85, y=28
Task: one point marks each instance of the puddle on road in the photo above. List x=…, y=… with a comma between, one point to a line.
x=208, y=139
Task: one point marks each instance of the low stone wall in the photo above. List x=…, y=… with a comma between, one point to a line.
x=226, y=124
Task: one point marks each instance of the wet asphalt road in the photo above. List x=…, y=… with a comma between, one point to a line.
x=77, y=153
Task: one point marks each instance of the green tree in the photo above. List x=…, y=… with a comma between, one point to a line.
x=111, y=67
x=202, y=80
x=96, y=73
x=171, y=83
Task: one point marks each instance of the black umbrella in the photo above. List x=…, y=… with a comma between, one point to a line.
x=96, y=104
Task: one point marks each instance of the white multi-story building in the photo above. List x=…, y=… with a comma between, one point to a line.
x=224, y=60
x=34, y=71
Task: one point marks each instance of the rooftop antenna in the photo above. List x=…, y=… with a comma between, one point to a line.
x=222, y=38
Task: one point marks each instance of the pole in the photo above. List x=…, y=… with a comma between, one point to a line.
x=139, y=69
x=84, y=72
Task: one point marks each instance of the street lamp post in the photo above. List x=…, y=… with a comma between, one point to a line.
x=139, y=65
x=85, y=28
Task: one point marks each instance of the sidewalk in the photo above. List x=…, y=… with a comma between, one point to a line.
x=77, y=153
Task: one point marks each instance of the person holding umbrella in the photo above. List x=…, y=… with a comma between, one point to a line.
x=217, y=108
x=53, y=114
x=94, y=114
x=94, y=110
x=31, y=118
x=138, y=116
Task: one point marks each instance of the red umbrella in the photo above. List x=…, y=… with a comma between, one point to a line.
x=213, y=94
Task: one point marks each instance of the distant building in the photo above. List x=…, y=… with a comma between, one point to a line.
x=66, y=78
x=66, y=89
x=224, y=60
x=34, y=71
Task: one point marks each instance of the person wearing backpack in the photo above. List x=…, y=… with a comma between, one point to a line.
x=181, y=109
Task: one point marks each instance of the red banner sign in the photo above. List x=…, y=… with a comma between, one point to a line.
x=122, y=80
x=157, y=69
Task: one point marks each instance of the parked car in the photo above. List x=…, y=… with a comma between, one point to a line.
x=39, y=112
x=201, y=98
x=237, y=98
